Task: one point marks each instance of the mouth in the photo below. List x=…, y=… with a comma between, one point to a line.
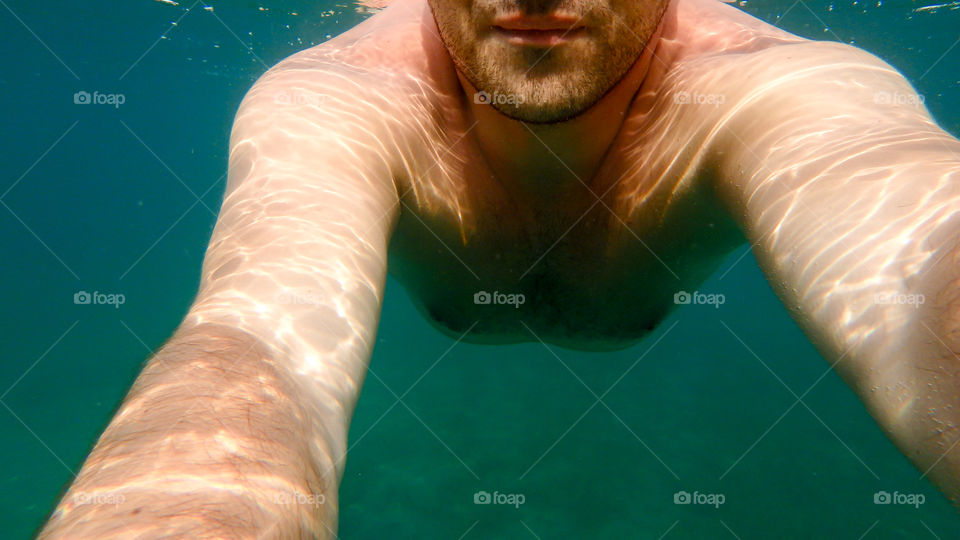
x=538, y=30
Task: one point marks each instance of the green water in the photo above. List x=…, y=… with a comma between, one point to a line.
x=707, y=403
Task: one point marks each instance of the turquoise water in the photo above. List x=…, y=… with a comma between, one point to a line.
x=102, y=198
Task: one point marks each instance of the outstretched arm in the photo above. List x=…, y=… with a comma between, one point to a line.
x=850, y=196
x=238, y=426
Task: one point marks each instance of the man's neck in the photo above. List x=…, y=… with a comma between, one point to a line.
x=543, y=162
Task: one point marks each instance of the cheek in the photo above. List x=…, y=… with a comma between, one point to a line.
x=635, y=17
x=626, y=35
x=460, y=27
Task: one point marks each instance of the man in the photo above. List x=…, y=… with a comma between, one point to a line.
x=587, y=159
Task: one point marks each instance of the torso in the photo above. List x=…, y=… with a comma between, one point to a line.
x=594, y=273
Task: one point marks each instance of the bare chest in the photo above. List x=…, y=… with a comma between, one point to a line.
x=586, y=270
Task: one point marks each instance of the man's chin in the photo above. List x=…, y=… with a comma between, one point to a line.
x=539, y=93
x=543, y=114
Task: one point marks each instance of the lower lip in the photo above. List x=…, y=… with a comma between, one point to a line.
x=539, y=38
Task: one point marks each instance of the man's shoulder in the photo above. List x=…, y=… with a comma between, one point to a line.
x=730, y=77
x=384, y=66
x=399, y=40
x=711, y=28
x=712, y=31
x=369, y=91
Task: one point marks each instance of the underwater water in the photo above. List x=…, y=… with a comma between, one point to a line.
x=120, y=199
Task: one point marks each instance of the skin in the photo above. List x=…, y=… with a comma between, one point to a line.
x=551, y=83
x=615, y=185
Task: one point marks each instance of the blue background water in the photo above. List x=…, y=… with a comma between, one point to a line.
x=122, y=200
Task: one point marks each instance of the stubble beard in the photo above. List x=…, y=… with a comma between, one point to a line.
x=545, y=85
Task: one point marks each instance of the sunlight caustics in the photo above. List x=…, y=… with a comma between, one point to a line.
x=819, y=153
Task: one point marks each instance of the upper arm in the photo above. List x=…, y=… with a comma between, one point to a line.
x=850, y=194
x=298, y=253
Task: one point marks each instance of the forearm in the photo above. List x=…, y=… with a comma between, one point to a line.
x=920, y=402
x=871, y=276
x=213, y=440
x=857, y=228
